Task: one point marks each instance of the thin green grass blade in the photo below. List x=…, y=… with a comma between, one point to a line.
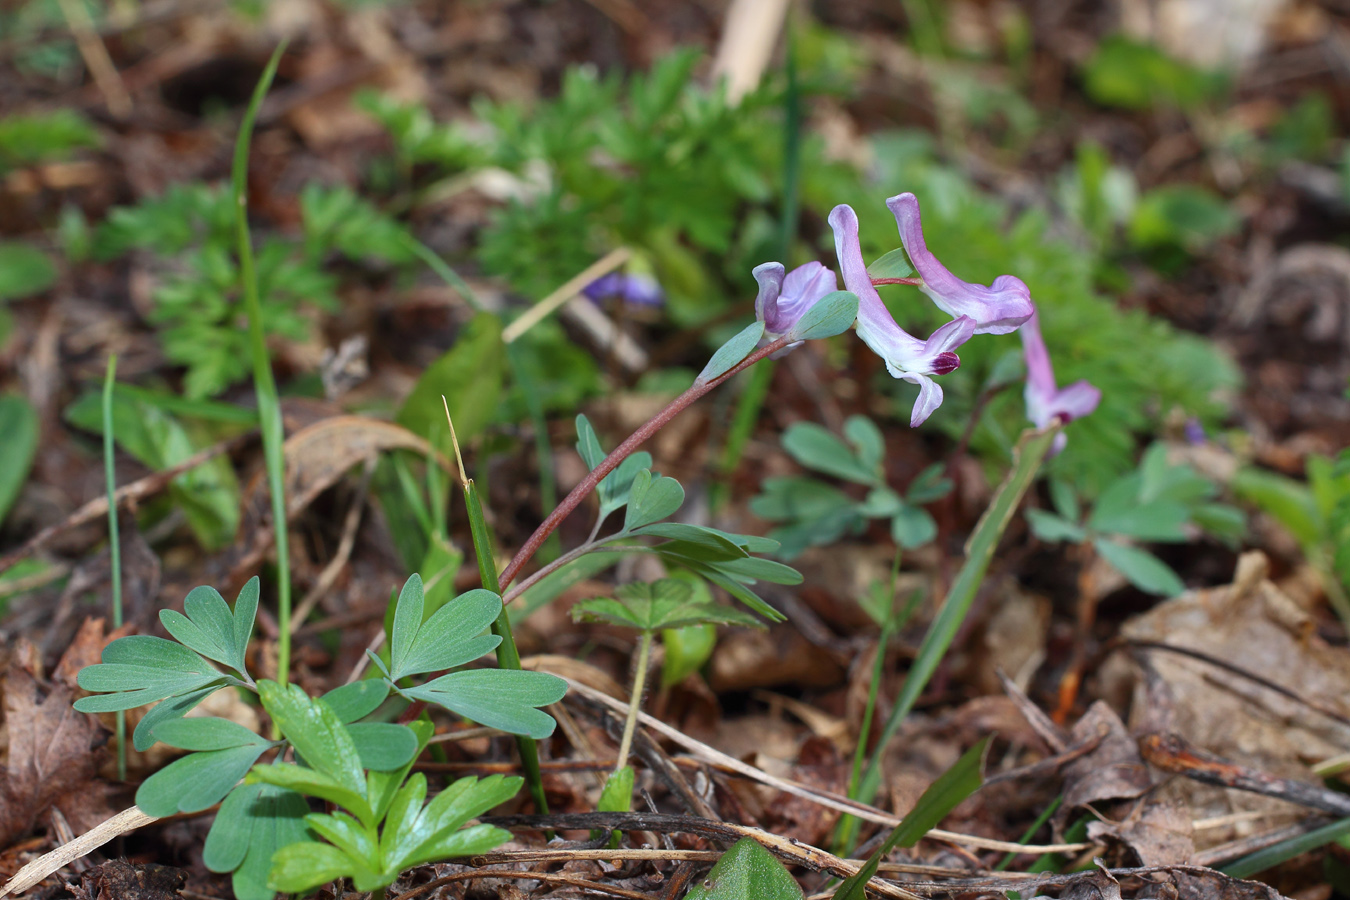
x=1027, y=458
x=114, y=541
x=942, y=796
x=1275, y=854
x=264, y=385
x=508, y=657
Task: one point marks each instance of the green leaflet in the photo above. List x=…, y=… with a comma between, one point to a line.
x=140, y=669
x=614, y=487
x=453, y=636
x=211, y=629
x=651, y=499
x=197, y=781
x=1144, y=570
x=730, y=354
x=469, y=375
x=356, y=700
x=501, y=698
x=18, y=443
x=254, y=821
x=832, y=314
x=747, y=872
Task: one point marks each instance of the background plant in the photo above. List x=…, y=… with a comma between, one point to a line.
x=355, y=761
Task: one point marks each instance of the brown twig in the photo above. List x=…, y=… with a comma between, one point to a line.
x=1172, y=753
x=790, y=850
x=125, y=496
x=546, y=877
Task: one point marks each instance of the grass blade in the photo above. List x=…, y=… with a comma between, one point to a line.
x=114, y=541
x=942, y=796
x=1027, y=459
x=1275, y=854
x=264, y=385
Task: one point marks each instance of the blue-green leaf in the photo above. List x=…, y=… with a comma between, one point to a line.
x=207, y=733
x=407, y=621
x=18, y=444
x=453, y=636
x=1144, y=570
x=894, y=264
x=317, y=734
x=357, y=700
x=197, y=781
x=653, y=498
x=254, y=821
x=747, y=872
x=500, y=698
x=730, y=354
x=832, y=314
x=210, y=628
x=383, y=746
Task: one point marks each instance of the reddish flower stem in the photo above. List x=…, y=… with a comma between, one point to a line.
x=619, y=454
x=914, y=281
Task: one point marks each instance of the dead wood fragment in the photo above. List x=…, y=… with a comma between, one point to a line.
x=1173, y=753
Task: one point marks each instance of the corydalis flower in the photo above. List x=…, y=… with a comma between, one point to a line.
x=1045, y=401
x=784, y=299
x=997, y=309
x=639, y=289
x=906, y=356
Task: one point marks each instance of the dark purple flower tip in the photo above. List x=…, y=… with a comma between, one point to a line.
x=945, y=363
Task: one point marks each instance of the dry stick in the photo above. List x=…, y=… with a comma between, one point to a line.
x=574, y=285
x=130, y=493
x=546, y=877
x=1172, y=753
x=842, y=804
x=330, y=572
x=620, y=453
x=96, y=57
x=789, y=849
x=127, y=820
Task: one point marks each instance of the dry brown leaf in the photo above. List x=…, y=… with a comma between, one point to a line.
x=118, y=879
x=53, y=756
x=1113, y=771
x=1160, y=834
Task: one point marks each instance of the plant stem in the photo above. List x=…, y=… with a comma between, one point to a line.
x=1027, y=458
x=635, y=703
x=114, y=541
x=620, y=453
x=264, y=385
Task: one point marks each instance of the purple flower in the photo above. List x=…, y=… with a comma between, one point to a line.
x=996, y=309
x=639, y=289
x=1045, y=401
x=906, y=356
x=783, y=300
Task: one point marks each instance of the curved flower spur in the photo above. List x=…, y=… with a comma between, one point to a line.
x=999, y=308
x=906, y=356
x=1046, y=402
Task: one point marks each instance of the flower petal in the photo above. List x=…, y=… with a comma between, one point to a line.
x=769, y=275
x=930, y=398
x=997, y=309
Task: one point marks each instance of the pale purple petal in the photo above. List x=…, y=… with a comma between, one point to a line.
x=906, y=356
x=769, y=275
x=930, y=398
x=1045, y=401
x=784, y=299
x=997, y=309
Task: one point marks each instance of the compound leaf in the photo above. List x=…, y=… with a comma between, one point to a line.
x=500, y=698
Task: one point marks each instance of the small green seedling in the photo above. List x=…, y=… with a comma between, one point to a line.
x=361, y=766
x=668, y=604
x=815, y=513
x=1316, y=513
x=1159, y=502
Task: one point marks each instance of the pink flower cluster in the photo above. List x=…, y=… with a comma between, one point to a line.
x=999, y=308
